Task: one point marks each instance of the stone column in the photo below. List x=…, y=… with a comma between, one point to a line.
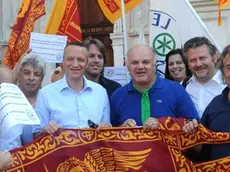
x=134, y=19
x=118, y=43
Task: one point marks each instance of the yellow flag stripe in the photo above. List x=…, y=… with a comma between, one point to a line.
x=55, y=17
x=116, y=15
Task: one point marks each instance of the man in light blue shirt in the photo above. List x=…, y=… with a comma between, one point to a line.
x=30, y=73
x=73, y=100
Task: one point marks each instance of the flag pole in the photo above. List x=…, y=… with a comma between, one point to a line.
x=125, y=36
x=204, y=26
x=124, y=29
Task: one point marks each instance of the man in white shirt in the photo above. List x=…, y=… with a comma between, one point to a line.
x=207, y=81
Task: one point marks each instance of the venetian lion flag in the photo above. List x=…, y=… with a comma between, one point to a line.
x=112, y=9
x=18, y=44
x=119, y=150
x=65, y=20
x=221, y=5
x=172, y=23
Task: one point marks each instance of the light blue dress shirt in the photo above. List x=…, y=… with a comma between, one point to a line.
x=16, y=137
x=11, y=139
x=59, y=103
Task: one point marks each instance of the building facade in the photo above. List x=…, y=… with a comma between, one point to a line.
x=112, y=35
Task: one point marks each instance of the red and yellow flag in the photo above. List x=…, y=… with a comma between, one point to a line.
x=112, y=8
x=18, y=44
x=65, y=20
x=221, y=5
x=120, y=149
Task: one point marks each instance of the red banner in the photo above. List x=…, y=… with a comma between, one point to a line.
x=70, y=24
x=29, y=12
x=119, y=149
x=65, y=20
x=112, y=8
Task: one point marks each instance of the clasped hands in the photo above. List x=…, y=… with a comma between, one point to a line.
x=52, y=127
x=152, y=123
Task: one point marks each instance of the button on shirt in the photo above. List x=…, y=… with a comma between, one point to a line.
x=216, y=117
x=59, y=103
x=202, y=95
x=167, y=98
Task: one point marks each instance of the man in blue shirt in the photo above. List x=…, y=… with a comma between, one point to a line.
x=148, y=97
x=73, y=100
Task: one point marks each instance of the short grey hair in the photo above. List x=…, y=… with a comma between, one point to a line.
x=197, y=42
x=35, y=61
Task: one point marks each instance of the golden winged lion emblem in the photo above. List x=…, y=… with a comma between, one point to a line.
x=105, y=160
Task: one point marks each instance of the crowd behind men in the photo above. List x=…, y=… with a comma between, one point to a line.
x=83, y=93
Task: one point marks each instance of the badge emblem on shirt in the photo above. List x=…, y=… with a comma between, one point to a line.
x=30, y=114
x=159, y=101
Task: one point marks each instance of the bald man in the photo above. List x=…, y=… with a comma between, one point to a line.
x=6, y=74
x=148, y=96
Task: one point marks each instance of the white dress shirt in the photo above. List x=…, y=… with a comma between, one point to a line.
x=202, y=95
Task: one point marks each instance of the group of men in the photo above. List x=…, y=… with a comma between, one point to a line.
x=84, y=94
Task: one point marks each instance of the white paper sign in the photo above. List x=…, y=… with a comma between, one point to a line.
x=48, y=47
x=15, y=108
x=118, y=74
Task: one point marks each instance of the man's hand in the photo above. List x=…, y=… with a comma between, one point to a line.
x=129, y=123
x=103, y=125
x=191, y=126
x=5, y=160
x=150, y=124
x=52, y=127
